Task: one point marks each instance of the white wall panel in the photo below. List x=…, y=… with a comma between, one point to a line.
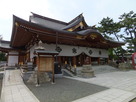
x=12, y=60
x=67, y=50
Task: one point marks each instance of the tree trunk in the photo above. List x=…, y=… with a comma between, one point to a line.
x=116, y=36
x=135, y=42
x=116, y=53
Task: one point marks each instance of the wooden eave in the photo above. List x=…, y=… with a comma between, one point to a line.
x=45, y=52
x=23, y=32
x=4, y=49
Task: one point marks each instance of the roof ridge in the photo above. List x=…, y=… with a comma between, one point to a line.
x=47, y=18
x=5, y=41
x=79, y=16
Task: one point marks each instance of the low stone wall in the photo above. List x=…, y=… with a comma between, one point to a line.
x=125, y=66
x=113, y=64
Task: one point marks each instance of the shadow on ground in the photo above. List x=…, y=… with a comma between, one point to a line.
x=64, y=90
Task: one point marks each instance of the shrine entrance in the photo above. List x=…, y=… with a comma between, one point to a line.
x=83, y=59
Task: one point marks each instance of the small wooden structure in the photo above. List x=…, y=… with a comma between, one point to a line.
x=45, y=62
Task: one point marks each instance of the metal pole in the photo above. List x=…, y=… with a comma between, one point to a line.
x=56, y=59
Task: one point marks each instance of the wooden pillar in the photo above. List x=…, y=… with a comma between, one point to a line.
x=74, y=61
x=63, y=59
x=19, y=57
x=38, y=70
x=28, y=56
x=74, y=65
x=108, y=60
x=53, y=80
x=83, y=59
x=7, y=59
x=90, y=62
x=59, y=59
x=98, y=60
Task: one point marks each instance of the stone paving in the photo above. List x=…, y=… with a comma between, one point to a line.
x=14, y=90
x=100, y=69
x=122, y=86
x=110, y=95
x=121, y=80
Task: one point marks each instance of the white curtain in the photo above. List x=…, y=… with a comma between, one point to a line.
x=67, y=50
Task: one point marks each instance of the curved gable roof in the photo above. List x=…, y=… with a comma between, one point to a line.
x=77, y=20
x=49, y=19
x=25, y=33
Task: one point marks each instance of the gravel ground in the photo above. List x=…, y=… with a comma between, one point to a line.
x=64, y=90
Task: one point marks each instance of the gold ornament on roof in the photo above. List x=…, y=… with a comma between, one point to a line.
x=93, y=36
x=16, y=24
x=80, y=37
x=103, y=41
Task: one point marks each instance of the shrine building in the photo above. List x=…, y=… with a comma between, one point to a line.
x=75, y=42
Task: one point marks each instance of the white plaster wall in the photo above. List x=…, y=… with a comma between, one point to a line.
x=46, y=23
x=12, y=59
x=67, y=51
x=13, y=52
x=4, y=44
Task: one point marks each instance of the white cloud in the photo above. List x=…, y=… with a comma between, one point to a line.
x=22, y=8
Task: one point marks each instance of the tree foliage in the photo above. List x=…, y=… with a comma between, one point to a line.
x=2, y=56
x=128, y=23
x=110, y=30
x=108, y=27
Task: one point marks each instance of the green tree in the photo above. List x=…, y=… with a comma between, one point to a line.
x=2, y=56
x=110, y=29
x=128, y=23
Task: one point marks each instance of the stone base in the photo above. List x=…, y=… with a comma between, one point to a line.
x=42, y=76
x=87, y=71
x=88, y=67
x=87, y=75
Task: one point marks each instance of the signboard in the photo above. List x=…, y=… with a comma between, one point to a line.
x=46, y=64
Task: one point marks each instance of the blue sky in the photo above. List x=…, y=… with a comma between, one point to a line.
x=64, y=10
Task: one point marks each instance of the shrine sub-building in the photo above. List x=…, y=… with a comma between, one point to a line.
x=76, y=42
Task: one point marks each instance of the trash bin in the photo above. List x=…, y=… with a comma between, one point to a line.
x=57, y=68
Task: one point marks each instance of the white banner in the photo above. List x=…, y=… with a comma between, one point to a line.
x=67, y=50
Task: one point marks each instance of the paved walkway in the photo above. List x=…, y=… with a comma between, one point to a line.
x=122, y=87
x=14, y=90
